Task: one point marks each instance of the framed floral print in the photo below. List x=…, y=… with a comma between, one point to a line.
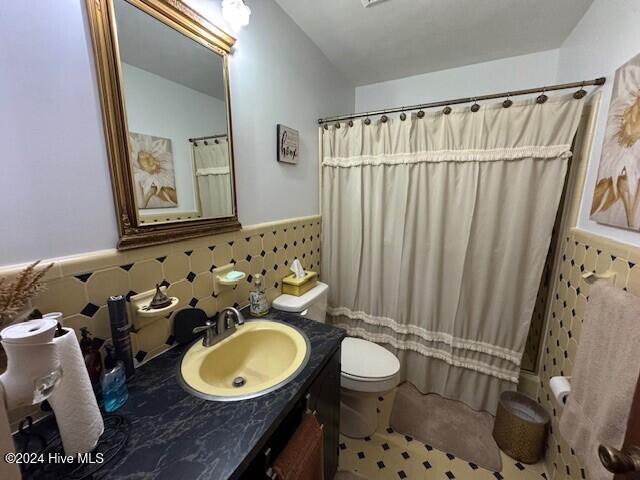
x=616, y=197
x=153, y=171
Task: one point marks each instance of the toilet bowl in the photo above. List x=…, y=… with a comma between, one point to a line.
x=367, y=369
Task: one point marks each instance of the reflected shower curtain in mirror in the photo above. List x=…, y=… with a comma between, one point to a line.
x=213, y=174
x=435, y=232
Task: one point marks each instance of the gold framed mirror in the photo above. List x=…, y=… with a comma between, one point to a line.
x=163, y=76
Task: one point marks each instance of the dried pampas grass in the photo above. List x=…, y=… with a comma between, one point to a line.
x=16, y=293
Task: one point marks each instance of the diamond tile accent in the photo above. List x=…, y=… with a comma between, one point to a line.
x=191, y=277
x=84, y=277
x=140, y=355
x=89, y=310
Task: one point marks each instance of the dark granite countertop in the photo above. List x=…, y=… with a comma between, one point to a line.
x=175, y=435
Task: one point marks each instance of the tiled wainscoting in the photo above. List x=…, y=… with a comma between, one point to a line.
x=581, y=253
x=79, y=286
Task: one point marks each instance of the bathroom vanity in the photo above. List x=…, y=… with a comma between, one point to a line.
x=174, y=434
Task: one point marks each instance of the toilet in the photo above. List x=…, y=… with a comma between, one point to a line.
x=367, y=369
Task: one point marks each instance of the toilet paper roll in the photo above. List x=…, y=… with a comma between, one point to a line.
x=73, y=401
x=560, y=387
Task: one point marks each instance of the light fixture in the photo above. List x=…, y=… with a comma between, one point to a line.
x=236, y=13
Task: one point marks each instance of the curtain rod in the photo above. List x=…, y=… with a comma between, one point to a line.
x=220, y=135
x=562, y=86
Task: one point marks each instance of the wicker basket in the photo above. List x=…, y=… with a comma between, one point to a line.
x=521, y=426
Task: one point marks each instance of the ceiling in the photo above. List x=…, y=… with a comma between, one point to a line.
x=149, y=44
x=397, y=38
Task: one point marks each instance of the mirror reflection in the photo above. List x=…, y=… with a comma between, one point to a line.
x=175, y=98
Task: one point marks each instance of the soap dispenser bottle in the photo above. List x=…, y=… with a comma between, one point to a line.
x=258, y=304
x=92, y=361
x=114, y=382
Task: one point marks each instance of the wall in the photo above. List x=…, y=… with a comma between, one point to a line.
x=55, y=177
x=162, y=108
x=604, y=39
x=55, y=174
x=581, y=251
x=79, y=287
x=524, y=71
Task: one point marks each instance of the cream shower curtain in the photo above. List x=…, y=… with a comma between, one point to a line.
x=435, y=232
x=213, y=174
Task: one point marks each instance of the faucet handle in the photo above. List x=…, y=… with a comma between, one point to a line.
x=203, y=328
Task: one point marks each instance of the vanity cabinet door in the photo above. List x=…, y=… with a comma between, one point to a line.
x=323, y=397
x=325, y=400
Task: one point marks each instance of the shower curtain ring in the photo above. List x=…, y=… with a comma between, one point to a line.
x=337, y=125
x=420, y=113
x=403, y=116
x=326, y=126
x=216, y=141
x=542, y=97
x=350, y=123
x=384, y=119
x=446, y=110
x=580, y=93
x=508, y=102
x=367, y=121
x=205, y=142
x=475, y=107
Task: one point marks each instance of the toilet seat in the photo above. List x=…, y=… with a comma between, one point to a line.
x=368, y=367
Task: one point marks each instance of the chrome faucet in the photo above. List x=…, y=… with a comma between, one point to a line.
x=221, y=328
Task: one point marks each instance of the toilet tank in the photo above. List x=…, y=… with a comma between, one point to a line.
x=311, y=305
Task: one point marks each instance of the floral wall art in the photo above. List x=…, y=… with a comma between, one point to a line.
x=616, y=198
x=153, y=171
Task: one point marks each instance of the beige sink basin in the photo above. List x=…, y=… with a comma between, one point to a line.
x=259, y=357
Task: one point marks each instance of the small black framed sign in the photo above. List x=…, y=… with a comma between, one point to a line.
x=288, y=144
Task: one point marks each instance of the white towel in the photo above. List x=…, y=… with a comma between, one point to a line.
x=604, y=377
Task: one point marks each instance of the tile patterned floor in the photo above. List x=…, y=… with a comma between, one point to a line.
x=388, y=455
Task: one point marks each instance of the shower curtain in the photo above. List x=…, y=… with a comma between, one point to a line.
x=435, y=232
x=213, y=174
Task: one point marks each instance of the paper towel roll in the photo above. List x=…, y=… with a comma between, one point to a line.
x=560, y=387
x=73, y=401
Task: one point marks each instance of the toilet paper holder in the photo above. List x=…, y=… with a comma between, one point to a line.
x=591, y=277
x=560, y=389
